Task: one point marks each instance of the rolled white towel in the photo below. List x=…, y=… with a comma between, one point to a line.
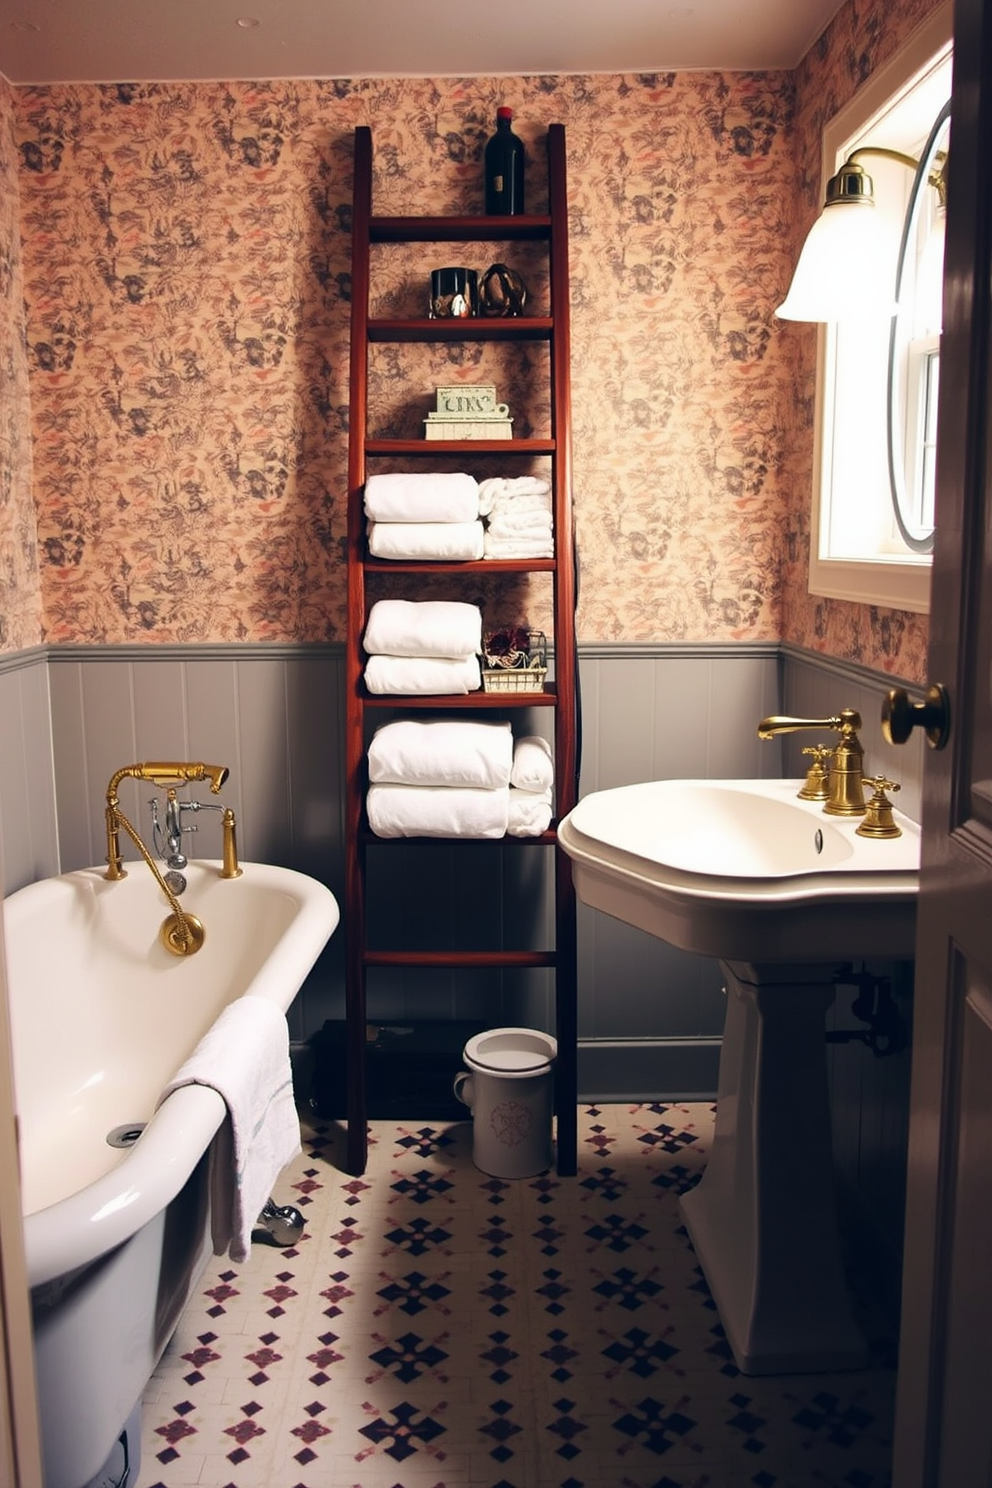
x=408, y=627
x=528, y=813
x=442, y=541
x=442, y=752
x=500, y=488
x=245, y=1057
x=437, y=811
x=527, y=524
x=423, y=674
x=533, y=764
x=422, y=497
x=518, y=547
x=527, y=503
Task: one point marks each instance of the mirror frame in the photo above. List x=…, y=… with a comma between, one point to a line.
x=895, y=423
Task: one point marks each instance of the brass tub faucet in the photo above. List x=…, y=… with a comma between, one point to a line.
x=182, y=933
x=845, y=790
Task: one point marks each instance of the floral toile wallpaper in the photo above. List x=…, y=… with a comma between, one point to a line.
x=20, y=595
x=186, y=274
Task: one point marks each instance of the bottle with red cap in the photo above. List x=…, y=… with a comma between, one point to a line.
x=504, y=166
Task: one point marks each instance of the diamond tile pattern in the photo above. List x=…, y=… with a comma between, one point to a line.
x=438, y=1328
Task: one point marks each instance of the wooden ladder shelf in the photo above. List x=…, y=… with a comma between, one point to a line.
x=550, y=229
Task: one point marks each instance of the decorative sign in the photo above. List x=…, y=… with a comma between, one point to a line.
x=468, y=413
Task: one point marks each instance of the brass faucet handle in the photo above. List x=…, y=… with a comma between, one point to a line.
x=880, y=784
x=844, y=723
x=230, y=867
x=878, y=820
x=817, y=783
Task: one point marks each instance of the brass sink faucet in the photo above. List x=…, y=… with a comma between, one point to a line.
x=845, y=793
x=182, y=933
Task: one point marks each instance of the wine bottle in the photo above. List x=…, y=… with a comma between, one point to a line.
x=504, y=167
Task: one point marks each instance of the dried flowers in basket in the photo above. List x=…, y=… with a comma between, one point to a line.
x=514, y=660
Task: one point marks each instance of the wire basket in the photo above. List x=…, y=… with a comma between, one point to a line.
x=514, y=660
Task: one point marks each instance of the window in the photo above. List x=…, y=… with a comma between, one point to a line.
x=860, y=551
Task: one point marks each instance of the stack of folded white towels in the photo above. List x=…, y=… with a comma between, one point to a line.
x=423, y=646
x=458, y=778
x=454, y=517
x=424, y=516
x=518, y=518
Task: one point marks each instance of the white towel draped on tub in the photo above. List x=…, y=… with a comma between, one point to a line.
x=422, y=497
x=442, y=752
x=406, y=627
x=438, y=675
x=245, y=1058
x=456, y=542
x=437, y=811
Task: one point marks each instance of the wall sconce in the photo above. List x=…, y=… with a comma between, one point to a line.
x=847, y=265
x=854, y=268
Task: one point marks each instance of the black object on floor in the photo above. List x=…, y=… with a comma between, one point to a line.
x=410, y=1069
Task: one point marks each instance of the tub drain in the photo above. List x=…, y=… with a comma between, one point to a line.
x=125, y=1136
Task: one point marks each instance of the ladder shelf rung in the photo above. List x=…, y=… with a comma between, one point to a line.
x=493, y=959
x=429, y=448
x=534, y=227
x=471, y=328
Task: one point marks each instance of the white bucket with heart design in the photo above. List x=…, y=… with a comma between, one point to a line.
x=509, y=1088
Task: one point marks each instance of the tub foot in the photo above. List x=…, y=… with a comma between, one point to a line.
x=284, y=1225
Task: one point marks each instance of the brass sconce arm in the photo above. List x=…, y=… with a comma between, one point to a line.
x=853, y=184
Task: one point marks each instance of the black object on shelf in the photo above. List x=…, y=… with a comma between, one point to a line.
x=504, y=166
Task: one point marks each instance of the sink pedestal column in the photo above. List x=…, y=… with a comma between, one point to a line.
x=763, y=1219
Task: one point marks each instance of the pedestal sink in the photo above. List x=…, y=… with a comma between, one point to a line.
x=780, y=894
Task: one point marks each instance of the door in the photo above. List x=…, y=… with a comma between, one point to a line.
x=944, y=1406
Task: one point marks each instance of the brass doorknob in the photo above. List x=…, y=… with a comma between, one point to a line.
x=900, y=716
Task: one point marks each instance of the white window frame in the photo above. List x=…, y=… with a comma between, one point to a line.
x=899, y=579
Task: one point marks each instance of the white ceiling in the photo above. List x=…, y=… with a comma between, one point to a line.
x=137, y=40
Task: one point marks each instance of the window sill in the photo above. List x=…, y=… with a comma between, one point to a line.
x=900, y=584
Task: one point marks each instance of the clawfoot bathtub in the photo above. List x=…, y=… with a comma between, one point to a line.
x=114, y=1191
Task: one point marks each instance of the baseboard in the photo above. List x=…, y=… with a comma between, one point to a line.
x=624, y=1070
x=648, y=1069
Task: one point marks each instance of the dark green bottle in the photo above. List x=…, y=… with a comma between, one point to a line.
x=504, y=165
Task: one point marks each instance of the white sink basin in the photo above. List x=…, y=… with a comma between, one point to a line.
x=779, y=893
x=744, y=870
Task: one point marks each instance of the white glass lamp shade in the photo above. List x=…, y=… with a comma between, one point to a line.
x=847, y=267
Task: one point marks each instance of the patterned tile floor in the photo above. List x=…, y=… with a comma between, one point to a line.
x=436, y=1328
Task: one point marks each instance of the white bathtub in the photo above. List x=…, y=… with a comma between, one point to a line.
x=102, y=1015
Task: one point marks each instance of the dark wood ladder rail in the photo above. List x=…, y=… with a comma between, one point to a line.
x=552, y=229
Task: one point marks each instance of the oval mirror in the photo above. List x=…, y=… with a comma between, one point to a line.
x=914, y=346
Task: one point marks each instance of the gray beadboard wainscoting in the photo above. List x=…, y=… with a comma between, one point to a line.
x=650, y=1017
x=70, y=716
x=28, y=822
